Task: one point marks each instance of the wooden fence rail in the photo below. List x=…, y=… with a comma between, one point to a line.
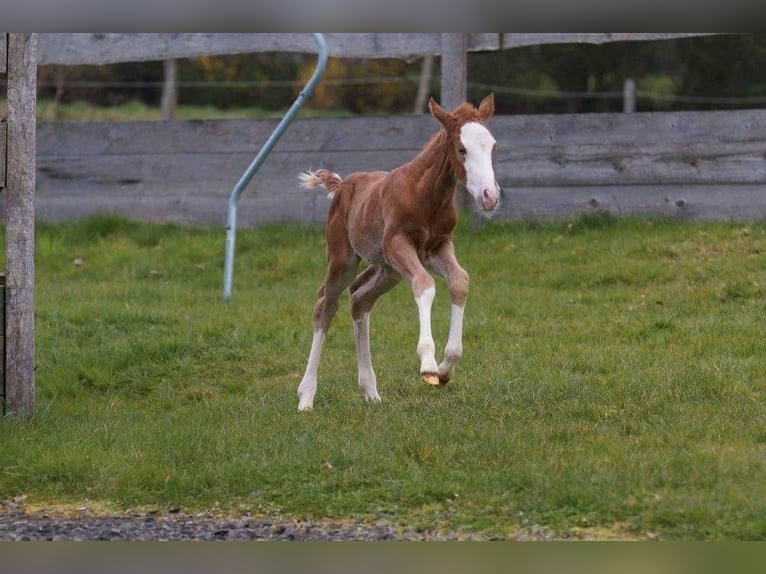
x=686, y=164
x=80, y=48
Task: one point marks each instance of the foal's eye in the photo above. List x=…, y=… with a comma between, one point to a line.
x=461, y=151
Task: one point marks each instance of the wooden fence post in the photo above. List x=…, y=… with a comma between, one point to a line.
x=629, y=96
x=424, y=85
x=169, y=90
x=20, y=226
x=454, y=78
x=454, y=69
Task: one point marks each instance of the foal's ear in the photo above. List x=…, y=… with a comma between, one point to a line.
x=445, y=118
x=487, y=106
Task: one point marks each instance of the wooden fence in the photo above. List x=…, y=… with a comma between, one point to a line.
x=693, y=164
x=69, y=49
x=686, y=164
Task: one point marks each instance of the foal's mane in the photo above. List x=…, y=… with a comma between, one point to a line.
x=464, y=113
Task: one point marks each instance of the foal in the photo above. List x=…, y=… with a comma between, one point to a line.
x=401, y=223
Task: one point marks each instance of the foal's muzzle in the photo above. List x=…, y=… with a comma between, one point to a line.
x=490, y=201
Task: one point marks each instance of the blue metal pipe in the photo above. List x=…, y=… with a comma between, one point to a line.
x=231, y=225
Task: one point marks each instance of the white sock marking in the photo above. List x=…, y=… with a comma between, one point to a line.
x=308, y=387
x=367, y=381
x=426, y=347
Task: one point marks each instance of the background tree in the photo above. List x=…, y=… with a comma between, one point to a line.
x=690, y=73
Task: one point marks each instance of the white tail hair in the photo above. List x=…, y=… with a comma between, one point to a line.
x=327, y=179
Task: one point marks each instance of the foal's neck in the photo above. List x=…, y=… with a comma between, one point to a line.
x=435, y=174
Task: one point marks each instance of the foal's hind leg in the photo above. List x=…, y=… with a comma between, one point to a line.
x=444, y=264
x=365, y=290
x=341, y=270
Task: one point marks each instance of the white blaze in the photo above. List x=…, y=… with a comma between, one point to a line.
x=480, y=175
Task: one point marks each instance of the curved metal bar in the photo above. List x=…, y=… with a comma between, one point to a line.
x=231, y=225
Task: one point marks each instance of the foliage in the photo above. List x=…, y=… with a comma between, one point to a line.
x=662, y=88
x=612, y=383
x=715, y=66
x=389, y=85
x=552, y=78
x=281, y=69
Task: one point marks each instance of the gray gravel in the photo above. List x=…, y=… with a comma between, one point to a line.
x=17, y=524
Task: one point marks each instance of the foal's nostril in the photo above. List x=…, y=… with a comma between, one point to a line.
x=488, y=200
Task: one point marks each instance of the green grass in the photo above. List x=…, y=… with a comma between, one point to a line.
x=612, y=382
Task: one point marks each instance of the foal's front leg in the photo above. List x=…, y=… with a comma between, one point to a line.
x=402, y=256
x=444, y=264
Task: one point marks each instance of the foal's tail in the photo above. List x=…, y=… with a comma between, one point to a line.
x=327, y=179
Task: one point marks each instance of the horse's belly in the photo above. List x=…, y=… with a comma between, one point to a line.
x=370, y=248
x=365, y=228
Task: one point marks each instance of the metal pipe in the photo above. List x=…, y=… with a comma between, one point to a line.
x=231, y=225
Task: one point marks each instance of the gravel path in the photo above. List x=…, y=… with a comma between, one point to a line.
x=16, y=524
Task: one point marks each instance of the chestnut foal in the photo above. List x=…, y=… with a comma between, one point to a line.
x=401, y=223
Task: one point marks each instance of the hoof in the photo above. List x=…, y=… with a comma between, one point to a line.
x=431, y=379
x=444, y=379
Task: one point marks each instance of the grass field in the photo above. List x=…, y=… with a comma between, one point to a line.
x=612, y=383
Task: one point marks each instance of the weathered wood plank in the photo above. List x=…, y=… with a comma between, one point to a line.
x=515, y=40
x=200, y=170
x=79, y=48
x=687, y=202
x=151, y=204
x=154, y=203
x=167, y=170
x=3, y=69
x=565, y=150
x=2, y=342
x=234, y=136
x=203, y=174
x=674, y=129
x=645, y=148
x=3, y=131
x=628, y=165
x=3, y=53
x=20, y=226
